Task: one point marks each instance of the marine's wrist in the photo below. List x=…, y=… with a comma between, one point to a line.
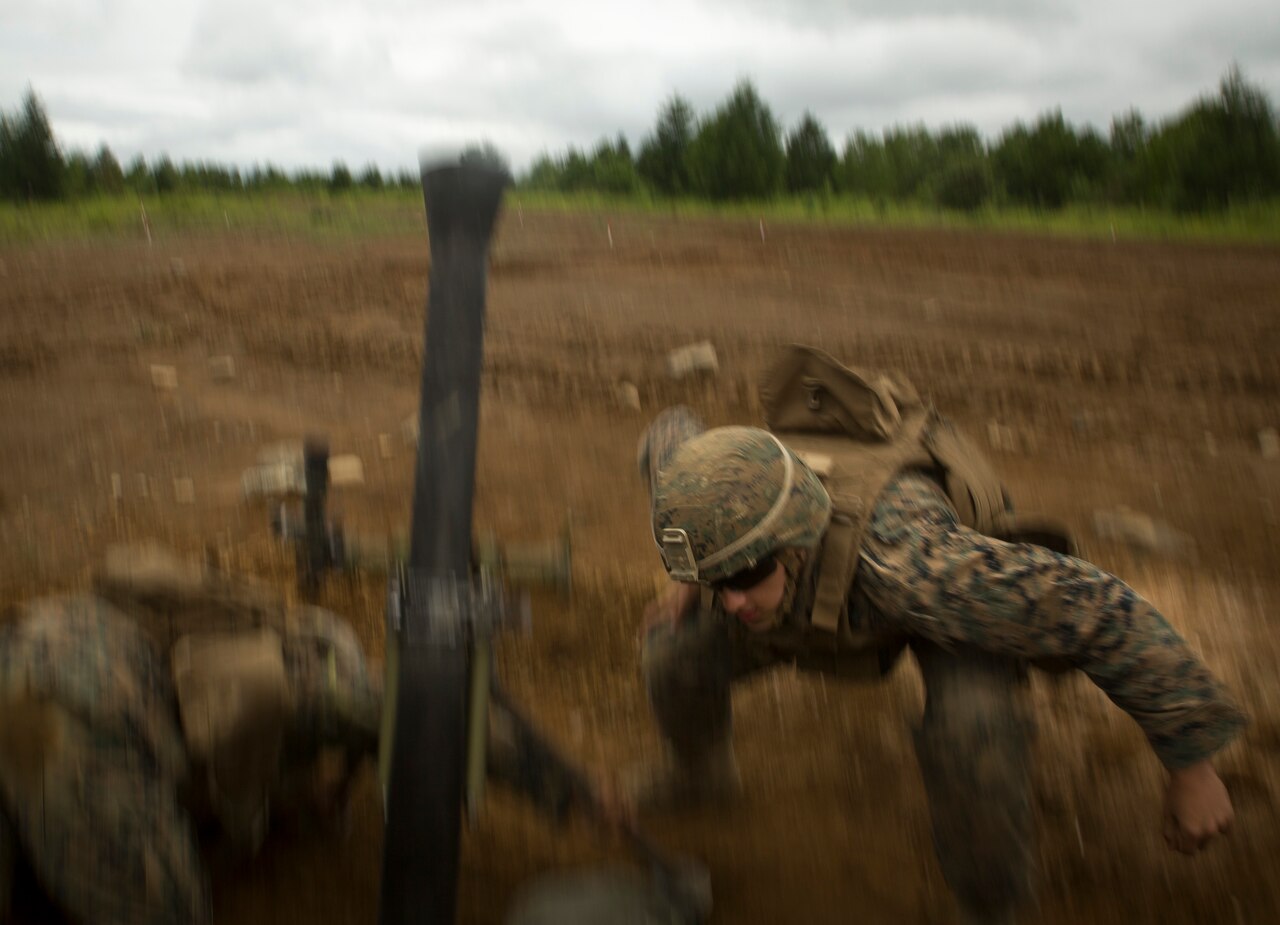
x=1192, y=773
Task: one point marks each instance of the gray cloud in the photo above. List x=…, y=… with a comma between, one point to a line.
x=821, y=15
x=304, y=83
x=243, y=41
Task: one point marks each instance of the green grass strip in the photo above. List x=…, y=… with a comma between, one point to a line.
x=397, y=212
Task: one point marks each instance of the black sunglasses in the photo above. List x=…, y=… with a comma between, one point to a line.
x=749, y=577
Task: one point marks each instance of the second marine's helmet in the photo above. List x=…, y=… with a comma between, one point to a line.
x=729, y=497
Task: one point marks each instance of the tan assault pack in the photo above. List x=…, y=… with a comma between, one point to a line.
x=234, y=701
x=858, y=429
x=224, y=638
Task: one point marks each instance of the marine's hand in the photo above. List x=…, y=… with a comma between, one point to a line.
x=1196, y=808
x=675, y=602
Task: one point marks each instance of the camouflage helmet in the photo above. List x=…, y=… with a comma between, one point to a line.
x=729, y=497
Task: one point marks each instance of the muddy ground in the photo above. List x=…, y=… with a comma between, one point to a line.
x=1104, y=374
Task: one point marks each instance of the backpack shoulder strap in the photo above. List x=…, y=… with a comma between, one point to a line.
x=853, y=473
x=838, y=559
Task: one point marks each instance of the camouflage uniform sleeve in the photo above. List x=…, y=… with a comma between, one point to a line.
x=929, y=576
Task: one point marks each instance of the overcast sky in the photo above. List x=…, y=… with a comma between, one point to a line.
x=306, y=82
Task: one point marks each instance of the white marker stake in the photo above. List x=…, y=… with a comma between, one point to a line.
x=146, y=226
x=609, y=227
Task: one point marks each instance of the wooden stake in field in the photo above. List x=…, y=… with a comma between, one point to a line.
x=146, y=225
x=608, y=226
x=761, y=230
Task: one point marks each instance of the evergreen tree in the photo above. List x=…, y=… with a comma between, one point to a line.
x=544, y=173
x=31, y=166
x=164, y=176
x=1130, y=139
x=811, y=160
x=912, y=155
x=864, y=169
x=664, y=156
x=77, y=177
x=612, y=169
x=138, y=178
x=340, y=178
x=963, y=183
x=1222, y=150
x=107, y=175
x=737, y=153
x=1050, y=163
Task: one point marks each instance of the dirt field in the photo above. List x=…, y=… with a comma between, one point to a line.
x=1105, y=374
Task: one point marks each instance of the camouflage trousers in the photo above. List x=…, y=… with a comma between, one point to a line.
x=972, y=747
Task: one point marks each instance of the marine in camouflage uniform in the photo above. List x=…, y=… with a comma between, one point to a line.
x=973, y=609
x=100, y=791
x=105, y=785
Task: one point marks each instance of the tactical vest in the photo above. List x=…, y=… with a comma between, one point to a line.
x=857, y=431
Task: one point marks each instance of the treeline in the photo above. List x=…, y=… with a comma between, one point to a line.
x=34, y=167
x=1222, y=149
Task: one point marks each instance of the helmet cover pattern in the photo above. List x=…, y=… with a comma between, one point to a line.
x=730, y=496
